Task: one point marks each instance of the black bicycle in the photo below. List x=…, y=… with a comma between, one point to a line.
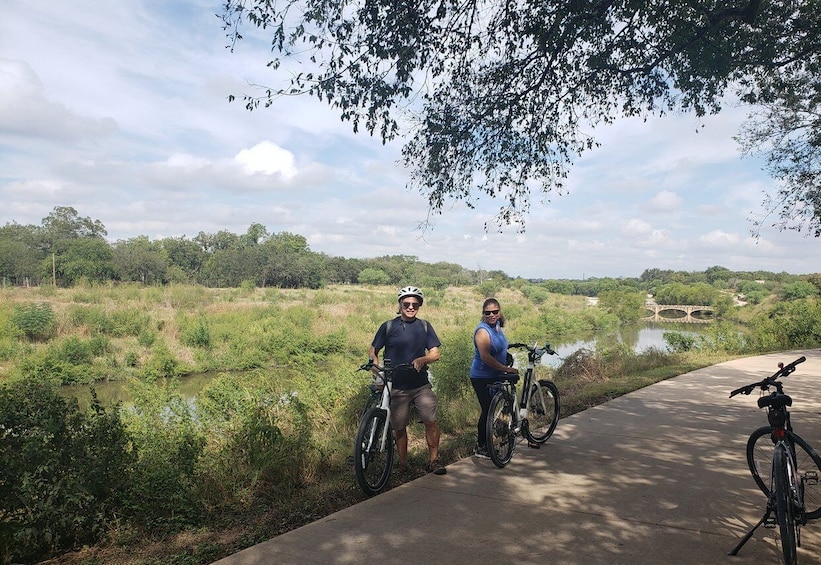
x=783, y=465
x=534, y=415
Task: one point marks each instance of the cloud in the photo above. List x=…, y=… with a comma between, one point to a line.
x=269, y=159
x=26, y=112
x=664, y=202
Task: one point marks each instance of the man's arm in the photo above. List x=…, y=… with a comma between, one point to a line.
x=432, y=356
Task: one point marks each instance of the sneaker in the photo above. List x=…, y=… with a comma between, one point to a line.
x=436, y=467
x=481, y=451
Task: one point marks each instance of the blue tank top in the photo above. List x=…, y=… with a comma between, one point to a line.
x=498, y=348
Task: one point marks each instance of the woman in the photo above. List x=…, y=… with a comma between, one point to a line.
x=489, y=363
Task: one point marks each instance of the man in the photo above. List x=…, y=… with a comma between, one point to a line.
x=409, y=339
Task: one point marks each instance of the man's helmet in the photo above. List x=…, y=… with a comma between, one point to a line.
x=411, y=291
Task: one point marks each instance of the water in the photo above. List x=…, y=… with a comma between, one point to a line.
x=639, y=338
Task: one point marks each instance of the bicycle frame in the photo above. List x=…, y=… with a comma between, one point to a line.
x=384, y=403
x=520, y=404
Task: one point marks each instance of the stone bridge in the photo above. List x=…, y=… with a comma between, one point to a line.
x=681, y=313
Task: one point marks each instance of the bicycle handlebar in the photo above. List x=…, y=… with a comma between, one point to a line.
x=783, y=371
x=371, y=365
x=533, y=348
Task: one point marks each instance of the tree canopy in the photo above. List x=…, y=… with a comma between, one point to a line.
x=499, y=98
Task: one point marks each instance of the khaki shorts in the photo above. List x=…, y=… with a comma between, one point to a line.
x=423, y=398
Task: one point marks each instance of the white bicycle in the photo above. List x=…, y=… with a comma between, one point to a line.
x=534, y=415
x=373, y=446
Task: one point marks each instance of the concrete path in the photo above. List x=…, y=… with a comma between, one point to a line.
x=656, y=476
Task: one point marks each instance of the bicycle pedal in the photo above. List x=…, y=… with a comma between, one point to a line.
x=810, y=478
x=349, y=460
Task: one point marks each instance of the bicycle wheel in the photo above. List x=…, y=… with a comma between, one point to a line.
x=784, y=504
x=500, y=435
x=373, y=458
x=543, y=411
x=807, y=462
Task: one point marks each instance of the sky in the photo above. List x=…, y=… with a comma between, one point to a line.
x=120, y=110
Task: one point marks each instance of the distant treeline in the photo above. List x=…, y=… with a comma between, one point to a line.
x=67, y=249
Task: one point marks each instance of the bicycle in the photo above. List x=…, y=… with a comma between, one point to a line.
x=535, y=415
x=373, y=446
x=791, y=467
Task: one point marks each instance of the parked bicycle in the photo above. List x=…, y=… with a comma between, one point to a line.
x=783, y=465
x=373, y=446
x=534, y=415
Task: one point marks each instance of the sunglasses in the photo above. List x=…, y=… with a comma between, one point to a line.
x=490, y=312
x=411, y=305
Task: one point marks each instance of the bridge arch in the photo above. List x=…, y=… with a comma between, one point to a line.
x=684, y=313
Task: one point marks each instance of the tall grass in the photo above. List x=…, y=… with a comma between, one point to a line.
x=281, y=429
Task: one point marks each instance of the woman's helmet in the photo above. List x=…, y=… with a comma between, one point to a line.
x=411, y=291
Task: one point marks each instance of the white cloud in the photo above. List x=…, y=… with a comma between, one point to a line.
x=665, y=201
x=267, y=158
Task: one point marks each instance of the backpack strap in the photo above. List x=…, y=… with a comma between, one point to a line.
x=391, y=321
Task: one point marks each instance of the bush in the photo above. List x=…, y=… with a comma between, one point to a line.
x=679, y=342
x=64, y=472
x=36, y=321
x=168, y=442
x=197, y=334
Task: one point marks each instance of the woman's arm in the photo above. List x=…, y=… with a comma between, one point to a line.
x=482, y=339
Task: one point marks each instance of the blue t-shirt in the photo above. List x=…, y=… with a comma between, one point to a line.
x=407, y=340
x=498, y=349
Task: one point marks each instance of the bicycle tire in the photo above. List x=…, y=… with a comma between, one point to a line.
x=784, y=513
x=501, y=437
x=807, y=461
x=373, y=460
x=543, y=411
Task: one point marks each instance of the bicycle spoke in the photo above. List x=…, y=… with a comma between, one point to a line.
x=500, y=435
x=543, y=411
x=373, y=456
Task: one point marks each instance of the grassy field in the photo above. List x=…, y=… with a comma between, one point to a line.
x=263, y=344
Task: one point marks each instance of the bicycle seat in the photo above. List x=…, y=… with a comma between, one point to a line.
x=775, y=401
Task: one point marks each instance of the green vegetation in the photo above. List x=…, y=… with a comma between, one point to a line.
x=263, y=447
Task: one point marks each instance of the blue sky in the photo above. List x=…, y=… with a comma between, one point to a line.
x=120, y=110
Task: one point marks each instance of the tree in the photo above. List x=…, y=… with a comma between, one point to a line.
x=138, y=259
x=787, y=131
x=19, y=256
x=626, y=304
x=499, y=98
x=90, y=258
x=63, y=225
x=373, y=276
x=187, y=255
x=798, y=290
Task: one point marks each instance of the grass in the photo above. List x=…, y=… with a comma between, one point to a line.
x=337, y=490
x=319, y=336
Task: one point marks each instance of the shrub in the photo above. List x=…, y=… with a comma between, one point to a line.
x=65, y=472
x=168, y=443
x=162, y=364
x=679, y=341
x=197, y=334
x=36, y=321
